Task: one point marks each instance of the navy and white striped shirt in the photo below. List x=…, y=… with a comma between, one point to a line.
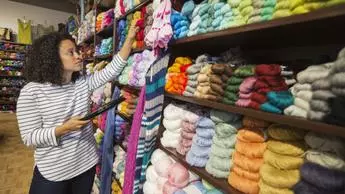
x=42, y=107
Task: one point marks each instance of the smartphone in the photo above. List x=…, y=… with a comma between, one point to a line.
x=103, y=108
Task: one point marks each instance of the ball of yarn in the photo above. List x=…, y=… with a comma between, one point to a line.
x=279, y=178
x=216, y=172
x=162, y=167
x=251, y=135
x=254, y=150
x=290, y=148
x=178, y=175
x=221, y=152
x=325, y=159
x=225, y=142
x=265, y=188
x=328, y=179
x=303, y=187
x=169, y=188
x=160, y=183
x=225, y=129
x=325, y=143
x=282, y=162
x=285, y=132
x=246, y=163
x=251, y=122
x=157, y=155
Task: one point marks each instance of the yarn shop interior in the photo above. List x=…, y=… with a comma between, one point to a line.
x=220, y=96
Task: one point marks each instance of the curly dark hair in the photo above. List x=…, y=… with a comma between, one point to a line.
x=44, y=63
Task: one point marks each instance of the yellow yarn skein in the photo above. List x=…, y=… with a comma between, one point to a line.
x=279, y=178
x=282, y=162
x=285, y=132
x=266, y=189
x=290, y=148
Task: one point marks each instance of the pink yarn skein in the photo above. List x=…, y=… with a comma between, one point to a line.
x=169, y=188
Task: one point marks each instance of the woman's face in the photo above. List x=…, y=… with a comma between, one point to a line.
x=70, y=57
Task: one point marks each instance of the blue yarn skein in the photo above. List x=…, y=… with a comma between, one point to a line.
x=268, y=107
x=281, y=99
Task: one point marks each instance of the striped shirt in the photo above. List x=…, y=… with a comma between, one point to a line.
x=42, y=107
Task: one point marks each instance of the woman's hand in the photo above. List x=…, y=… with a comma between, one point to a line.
x=73, y=124
x=127, y=46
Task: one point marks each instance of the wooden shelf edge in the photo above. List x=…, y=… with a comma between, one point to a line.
x=324, y=13
x=274, y=118
x=221, y=184
x=107, y=31
x=107, y=56
x=135, y=8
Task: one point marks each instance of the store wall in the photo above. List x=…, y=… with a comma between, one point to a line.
x=11, y=11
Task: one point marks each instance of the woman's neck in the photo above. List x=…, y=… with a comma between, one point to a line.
x=67, y=77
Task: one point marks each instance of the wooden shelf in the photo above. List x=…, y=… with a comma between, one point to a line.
x=274, y=118
x=5, y=58
x=106, y=32
x=16, y=43
x=221, y=184
x=293, y=30
x=134, y=9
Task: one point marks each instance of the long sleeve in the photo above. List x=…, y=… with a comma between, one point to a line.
x=30, y=123
x=112, y=70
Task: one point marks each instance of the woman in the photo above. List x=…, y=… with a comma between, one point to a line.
x=49, y=110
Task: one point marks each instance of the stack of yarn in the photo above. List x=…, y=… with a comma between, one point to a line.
x=157, y=173
x=188, y=8
x=121, y=31
x=189, y=124
x=246, y=92
x=148, y=18
x=115, y=188
x=198, y=155
x=161, y=31
x=141, y=64
x=126, y=72
x=210, y=84
x=246, y=9
x=263, y=10
x=238, y=20
x=104, y=19
x=106, y=47
x=128, y=106
x=119, y=163
x=120, y=127
x=177, y=76
x=200, y=18
x=138, y=20
x=282, y=9
x=87, y=27
x=300, y=7
x=288, y=75
x=337, y=73
x=248, y=156
x=302, y=90
x=233, y=84
x=172, y=123
x=180, y=25
x=225, y=15
x=324, y=171
x=223, y=145
x=268, y=80
x=178, y=178
x=192, y=74
x=282, y=159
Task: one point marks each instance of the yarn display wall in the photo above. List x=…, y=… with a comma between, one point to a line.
x=248, y=156
x=282, y=159
x=223, y=143
x=87, y=27
x=104, y=19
